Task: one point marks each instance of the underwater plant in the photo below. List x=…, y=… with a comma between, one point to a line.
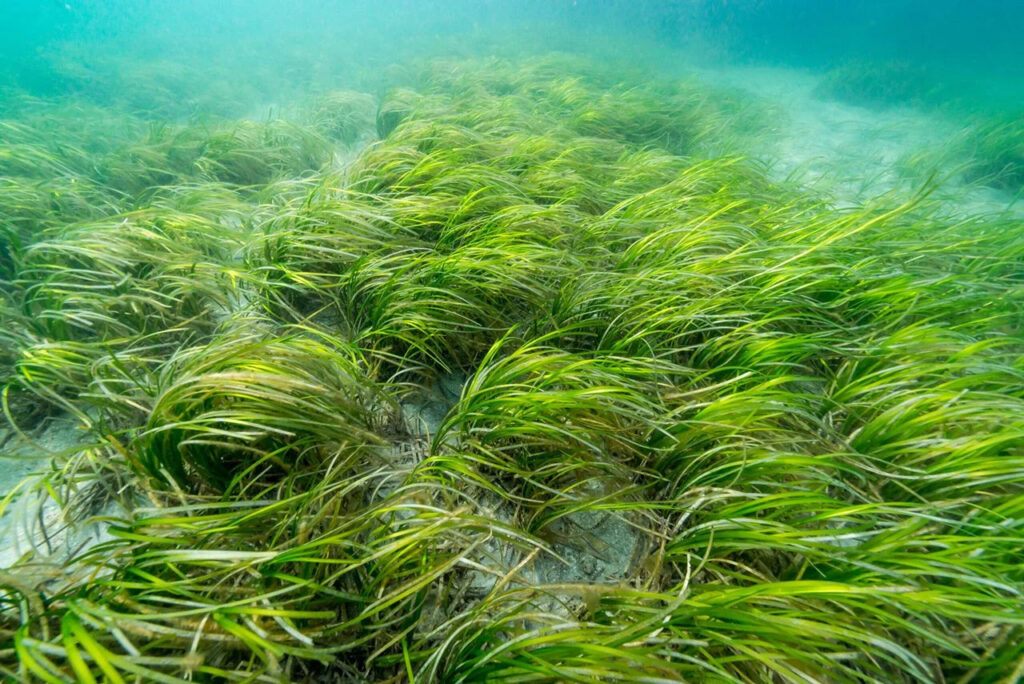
x=995, y=153
x=546, y=383
x=885, y=84
x=345, y=116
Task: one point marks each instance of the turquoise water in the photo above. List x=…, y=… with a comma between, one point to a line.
x=277, y=46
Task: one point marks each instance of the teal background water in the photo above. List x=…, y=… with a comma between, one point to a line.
x=55, y=47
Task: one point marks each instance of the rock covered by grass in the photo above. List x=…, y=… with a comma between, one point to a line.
x=697, y=426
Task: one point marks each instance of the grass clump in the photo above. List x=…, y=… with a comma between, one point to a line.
x=988, y=152
x=345, y=116
x=995, y=150
x=542, y=386
x=885, y=84
x=248, y=409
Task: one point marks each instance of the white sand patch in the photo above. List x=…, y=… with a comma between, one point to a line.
x=852, y=153
x=33, y=528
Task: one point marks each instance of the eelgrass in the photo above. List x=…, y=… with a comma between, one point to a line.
x=995, y=153
x=808, y=420
x=886, y=84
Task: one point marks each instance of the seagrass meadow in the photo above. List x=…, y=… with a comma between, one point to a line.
x=523, y=369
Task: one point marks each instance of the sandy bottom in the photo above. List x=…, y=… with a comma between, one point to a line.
x=33, y=523
x=853, y=153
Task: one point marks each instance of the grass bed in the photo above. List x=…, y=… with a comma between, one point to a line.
x=802, y=425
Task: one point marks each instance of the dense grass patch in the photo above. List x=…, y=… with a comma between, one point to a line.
x=995, y=150
x=694, y=424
